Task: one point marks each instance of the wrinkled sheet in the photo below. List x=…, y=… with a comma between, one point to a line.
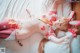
x=17, y=9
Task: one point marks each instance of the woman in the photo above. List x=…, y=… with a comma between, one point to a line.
x=58, y=46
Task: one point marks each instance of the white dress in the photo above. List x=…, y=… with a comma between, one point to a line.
x=64, y=47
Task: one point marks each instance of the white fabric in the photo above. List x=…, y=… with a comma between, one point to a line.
x=64, y=10
x=52, y=47
x=76, y=45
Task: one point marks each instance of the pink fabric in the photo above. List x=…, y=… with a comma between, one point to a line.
x=52, y=12
x=7, y=28
x=78, y=23
x=4, y=25
x=73, y=32
x=53, y=18
x=43, y=28
x=7, y=31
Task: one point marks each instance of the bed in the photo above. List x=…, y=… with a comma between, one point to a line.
x=17, y=9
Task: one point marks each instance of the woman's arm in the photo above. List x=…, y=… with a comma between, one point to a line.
x=68, y=36
x=57, y=40
x=25, y=33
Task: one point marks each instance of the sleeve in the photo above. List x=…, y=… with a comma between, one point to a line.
x=69, y=37
x=73, y=32
x=52, y=16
